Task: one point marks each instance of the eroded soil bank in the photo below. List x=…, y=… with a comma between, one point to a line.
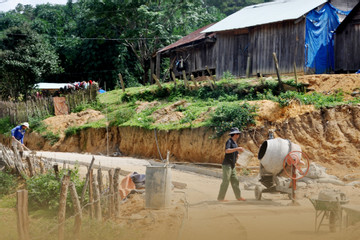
x=329, y=137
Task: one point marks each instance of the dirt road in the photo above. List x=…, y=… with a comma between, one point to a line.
x=195, y=213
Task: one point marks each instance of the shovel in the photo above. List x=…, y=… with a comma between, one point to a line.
x=26, y=148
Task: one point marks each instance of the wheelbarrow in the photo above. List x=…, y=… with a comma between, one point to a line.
x=328, y=210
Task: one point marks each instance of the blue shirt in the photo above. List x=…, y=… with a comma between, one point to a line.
x=18, y=132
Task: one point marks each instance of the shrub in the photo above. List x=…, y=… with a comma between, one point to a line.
x=5, y=125
x=123, y=116
x=44, y=190
x=8, y=183
x=232, y=115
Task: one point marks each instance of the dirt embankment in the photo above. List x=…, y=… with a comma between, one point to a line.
x=329, y=136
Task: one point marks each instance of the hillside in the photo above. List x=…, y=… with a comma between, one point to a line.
x=146, y=120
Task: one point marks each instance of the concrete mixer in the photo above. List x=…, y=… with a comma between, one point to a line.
x=281, y=164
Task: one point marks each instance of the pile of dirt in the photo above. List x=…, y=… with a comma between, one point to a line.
x=328, y=83
x=152, y=224
x=272, y=112
x=169, y=113
x=59, y=124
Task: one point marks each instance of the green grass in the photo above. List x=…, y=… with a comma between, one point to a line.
x=120, y=107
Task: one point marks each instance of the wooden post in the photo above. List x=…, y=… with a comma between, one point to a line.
x=56, y=170
x=194, y=81
x=152, y=71
x=210, y=83
x=62, y=205
x=91, y=197
x=208, y=70
x=157, y=81
x=22, y=214
x=100, y=181
x=111, y=193
x=97, y=197
x=122, y=82
x=248, y=66
x=295, y=72
x=158, y=65
x=185, y=79
x=77, y=209
x=116, y=192
x=174, y=78
x=31, y=169
x=86, y=181
x=277, y=71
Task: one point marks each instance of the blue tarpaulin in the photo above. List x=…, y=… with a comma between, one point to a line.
x=319, y=39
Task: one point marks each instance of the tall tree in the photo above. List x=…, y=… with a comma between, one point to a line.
x=25, y=58
x=144, y=26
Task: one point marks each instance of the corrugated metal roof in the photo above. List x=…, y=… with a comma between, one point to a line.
x=51, y=85
x=265, y=13
x=194, y=36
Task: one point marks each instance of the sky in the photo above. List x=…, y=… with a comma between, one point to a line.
x=6, y=5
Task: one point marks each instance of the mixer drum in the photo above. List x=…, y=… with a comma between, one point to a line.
x=273, y=152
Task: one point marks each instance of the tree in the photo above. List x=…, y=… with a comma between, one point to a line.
x=144, y=26
x=25, y=58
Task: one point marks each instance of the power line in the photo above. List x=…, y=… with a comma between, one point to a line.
x=97, y=39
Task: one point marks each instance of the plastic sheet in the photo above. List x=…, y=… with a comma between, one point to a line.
x=319, y=39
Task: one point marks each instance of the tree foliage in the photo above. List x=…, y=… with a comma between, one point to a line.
x=97, y=39
x=25, y=58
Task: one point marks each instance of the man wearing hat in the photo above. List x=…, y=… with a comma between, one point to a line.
x=17, y=134
x=228, y=167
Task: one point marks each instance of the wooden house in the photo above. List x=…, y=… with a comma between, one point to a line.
x=246, y=40
x=347, y=41
x=195, y=51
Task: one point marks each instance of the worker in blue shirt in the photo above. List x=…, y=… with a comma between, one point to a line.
x=17, y=134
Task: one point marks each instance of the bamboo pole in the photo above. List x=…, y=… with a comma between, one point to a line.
x=62, y=206
x=22, y=214
x=77, y=210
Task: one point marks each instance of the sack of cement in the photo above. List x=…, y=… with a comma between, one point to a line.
x=244, y=158
x=331, y=195
x=273, y=152
x=316, y=171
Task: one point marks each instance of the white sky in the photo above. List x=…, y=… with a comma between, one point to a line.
x=6, y=5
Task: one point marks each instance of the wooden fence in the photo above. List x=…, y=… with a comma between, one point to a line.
x=41, y=107
x=103, y=198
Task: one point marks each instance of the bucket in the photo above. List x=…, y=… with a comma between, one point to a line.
x=157, y=187
x=244, y=158
x=273, y=152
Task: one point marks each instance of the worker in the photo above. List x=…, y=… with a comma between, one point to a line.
x=228, y=167
x=17, y=134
